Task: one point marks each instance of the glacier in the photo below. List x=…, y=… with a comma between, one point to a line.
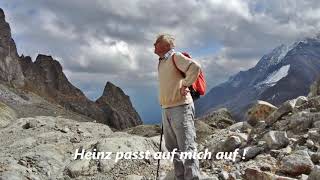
x=275, y=76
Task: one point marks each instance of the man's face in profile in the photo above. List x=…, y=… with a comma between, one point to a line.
x=161, y=47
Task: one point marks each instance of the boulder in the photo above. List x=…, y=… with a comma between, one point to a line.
x=220, y=118
x=203, y=130
x=302, y=121
x=121, y=143
x=276, y=139
x=259, y=112
x=284, y=109
x=251, y=152
x=315, y=157
x=301, y=100
x=229, y=145
x=297, y=163
x=79, y=168
x=315, y=173
x=240, y=126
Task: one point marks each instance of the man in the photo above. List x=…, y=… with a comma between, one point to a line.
x=177, y=105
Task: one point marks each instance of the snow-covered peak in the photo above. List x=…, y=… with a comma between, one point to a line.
x=274, y=57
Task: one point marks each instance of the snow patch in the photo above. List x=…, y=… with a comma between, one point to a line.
x=275, y=76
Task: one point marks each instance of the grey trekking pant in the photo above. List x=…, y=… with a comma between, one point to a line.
x=179, y=132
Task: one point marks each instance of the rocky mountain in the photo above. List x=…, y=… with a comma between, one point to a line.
x=45, y=77
x=118, y=108
x=283, y=74
x=10, y=70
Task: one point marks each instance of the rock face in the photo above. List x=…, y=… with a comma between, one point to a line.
x=10, y=70
x=45, y=77
x=284, y=73
x=118, y=108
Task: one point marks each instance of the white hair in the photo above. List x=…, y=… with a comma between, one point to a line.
x=167, y=38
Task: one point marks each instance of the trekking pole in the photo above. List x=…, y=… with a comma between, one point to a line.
x=159, y=151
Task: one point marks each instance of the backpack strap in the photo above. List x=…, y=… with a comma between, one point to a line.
x=175, y=65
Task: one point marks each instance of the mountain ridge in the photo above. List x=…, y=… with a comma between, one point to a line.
x=46, y=78
x=286, y=67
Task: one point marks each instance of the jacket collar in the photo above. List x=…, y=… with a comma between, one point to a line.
x=167, y=55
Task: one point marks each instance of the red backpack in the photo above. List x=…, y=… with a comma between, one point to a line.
x=199, y=86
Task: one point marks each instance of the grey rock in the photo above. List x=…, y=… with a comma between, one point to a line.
x=297, y=163
x=281, y=152
x=133, y=177
x=284, y=109
x=229, y=145
x=310, y=144
x=220, y=118
x=252, y=151
x=243, y=137
x=79, y=168
x=301, y=100
x=276, y=139
x=316, y=124
x=255, y=174
x=240, y=126
x=304, y=177
x=123, y=142
x=302, y=121
x=315, y=173
x=314, y=135
x=224, y=175
x=315, y=157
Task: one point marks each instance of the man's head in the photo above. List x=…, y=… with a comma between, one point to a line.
x=163, y=44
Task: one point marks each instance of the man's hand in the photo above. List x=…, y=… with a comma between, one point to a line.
x=184, y=90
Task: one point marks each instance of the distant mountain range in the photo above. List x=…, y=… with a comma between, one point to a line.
x=284, y=73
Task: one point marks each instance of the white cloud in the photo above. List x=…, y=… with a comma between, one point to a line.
x=49, y=22
x=105, y=55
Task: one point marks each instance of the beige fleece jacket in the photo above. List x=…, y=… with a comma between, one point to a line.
x=171, y=80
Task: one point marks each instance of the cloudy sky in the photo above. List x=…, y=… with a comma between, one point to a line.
x=112, y=40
